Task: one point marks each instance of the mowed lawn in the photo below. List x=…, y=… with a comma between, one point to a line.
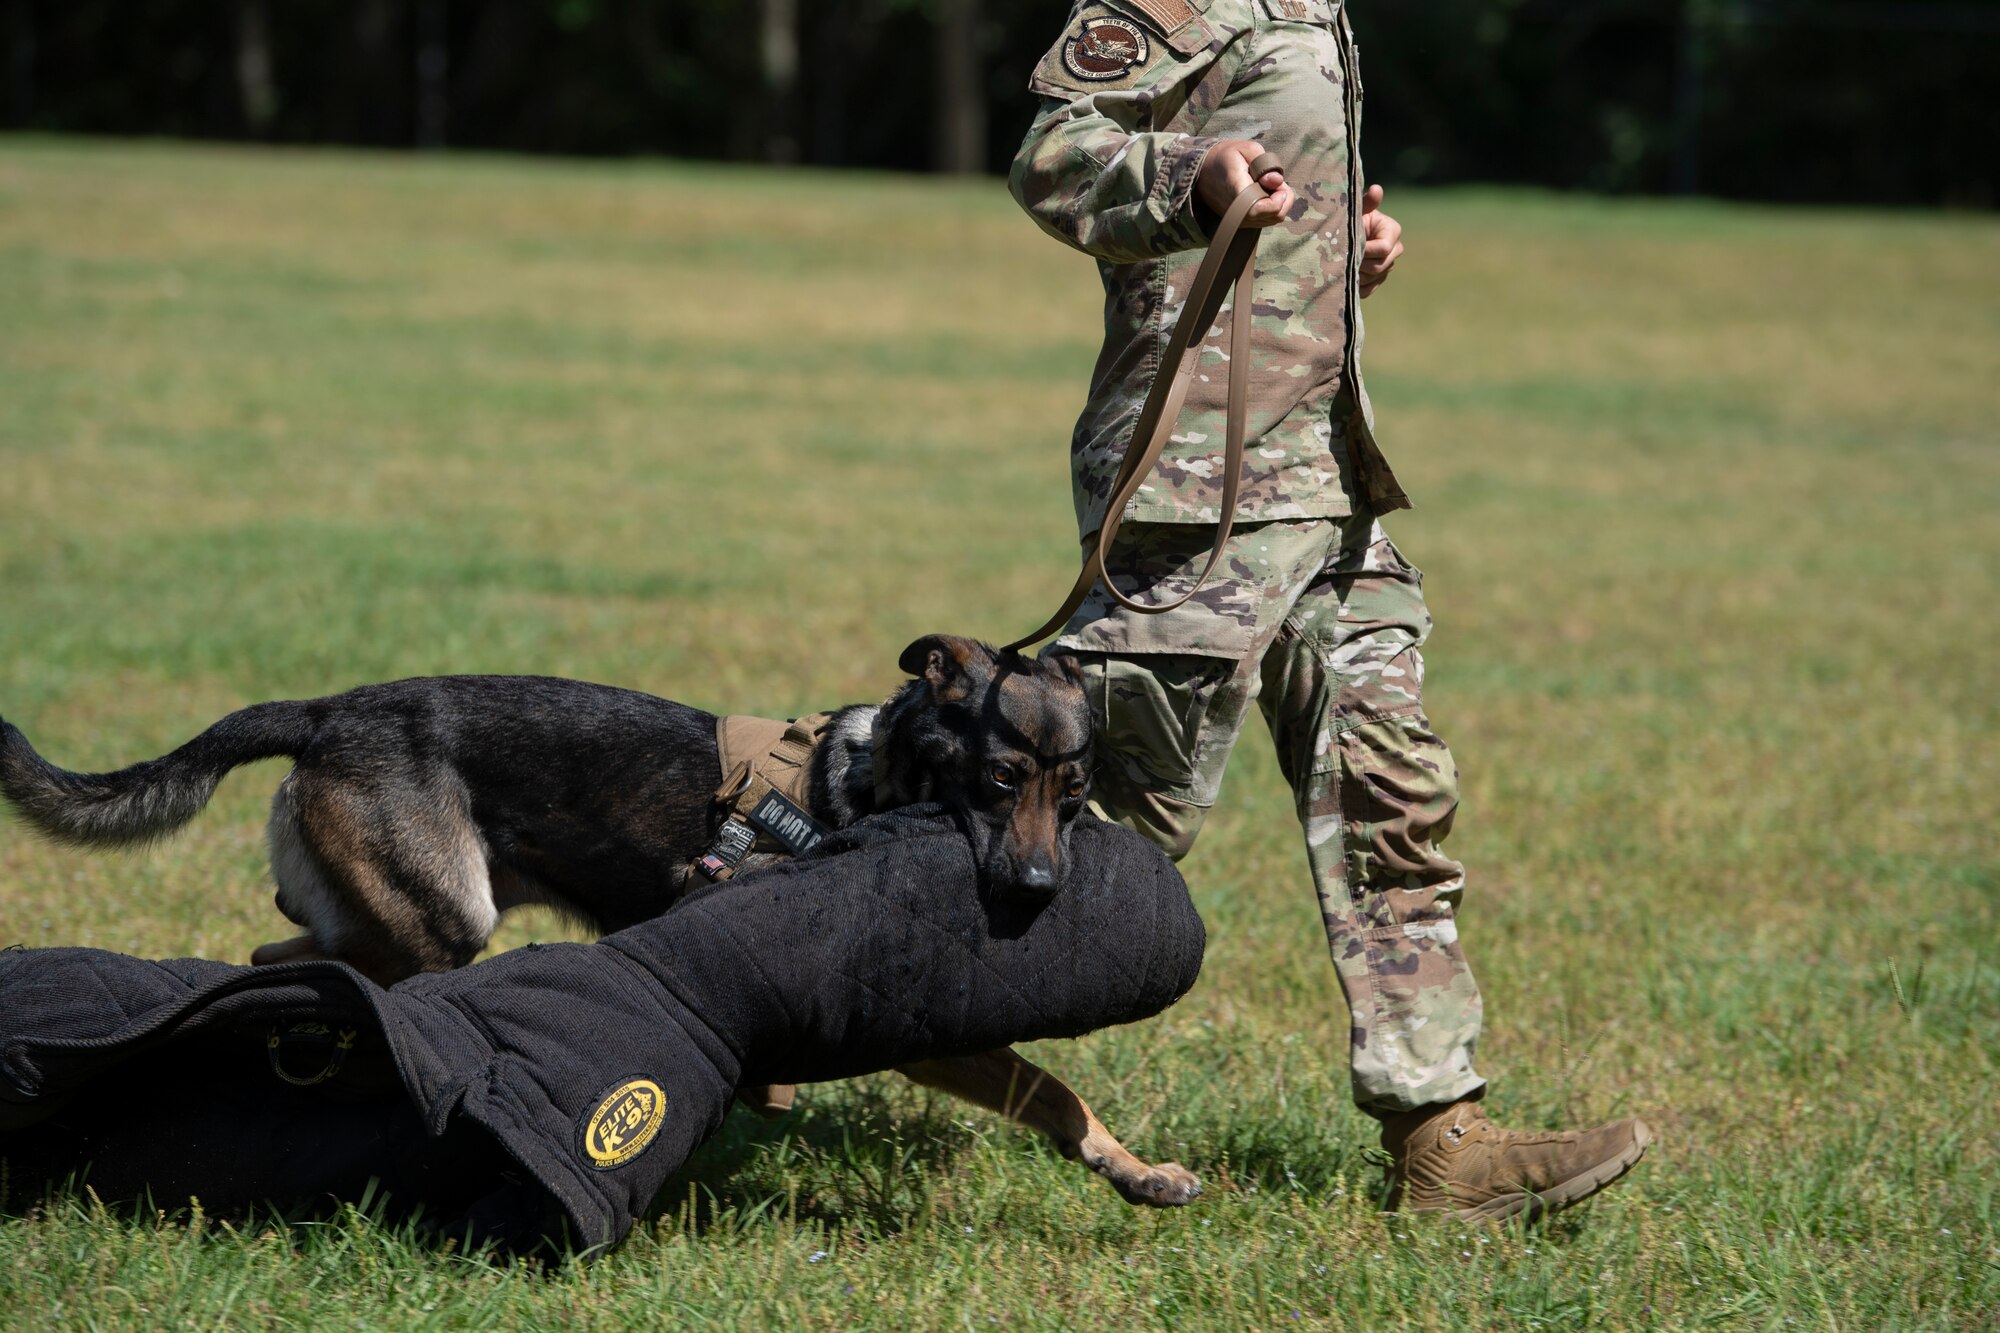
x=1710, y=510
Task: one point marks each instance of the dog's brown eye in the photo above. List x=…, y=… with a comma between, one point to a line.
x=1076, y=791
x=1002, y=775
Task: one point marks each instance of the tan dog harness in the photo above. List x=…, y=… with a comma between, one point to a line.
x=766, y=765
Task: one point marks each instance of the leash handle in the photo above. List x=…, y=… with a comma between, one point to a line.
x=1231, y=255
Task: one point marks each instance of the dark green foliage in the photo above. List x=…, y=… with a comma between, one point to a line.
x=1825, y=100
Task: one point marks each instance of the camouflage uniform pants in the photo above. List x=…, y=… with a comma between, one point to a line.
x=1320, y=623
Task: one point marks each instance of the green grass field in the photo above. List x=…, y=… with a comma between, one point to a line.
x=1708, y=510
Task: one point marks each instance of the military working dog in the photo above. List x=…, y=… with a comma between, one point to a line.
x=418, y=812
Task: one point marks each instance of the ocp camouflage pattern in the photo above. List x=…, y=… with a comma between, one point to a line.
x=1109, y=166
x=1321, y=624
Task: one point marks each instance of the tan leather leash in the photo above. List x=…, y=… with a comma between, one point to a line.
x=1231, y=254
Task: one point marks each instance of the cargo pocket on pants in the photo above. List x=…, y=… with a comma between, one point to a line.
x=1398, y=795
x=1154, y=713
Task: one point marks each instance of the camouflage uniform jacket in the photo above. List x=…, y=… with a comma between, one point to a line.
x=1134, y=94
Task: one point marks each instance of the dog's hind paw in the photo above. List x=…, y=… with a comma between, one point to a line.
x=1168, y=1185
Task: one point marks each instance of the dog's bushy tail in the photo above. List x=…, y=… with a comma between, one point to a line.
x=151, y=799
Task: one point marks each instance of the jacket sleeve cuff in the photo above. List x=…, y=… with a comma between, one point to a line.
x=1185, y=222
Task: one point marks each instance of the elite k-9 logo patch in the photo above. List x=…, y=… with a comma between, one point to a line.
x=1105, y=48
x=627, y=1117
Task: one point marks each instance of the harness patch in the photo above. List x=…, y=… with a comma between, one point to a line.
x=786, y=822
x=766, y=764
x=1105, y=48
x=624, y=1124
x=733, y=842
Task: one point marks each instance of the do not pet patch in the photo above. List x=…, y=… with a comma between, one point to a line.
x=624, y=1124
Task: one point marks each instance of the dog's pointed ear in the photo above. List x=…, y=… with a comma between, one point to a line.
x=946, y=662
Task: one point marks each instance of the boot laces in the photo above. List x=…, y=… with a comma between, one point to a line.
x=1474, y=1121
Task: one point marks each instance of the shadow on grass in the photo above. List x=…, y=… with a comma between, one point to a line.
x=861, y=1154
x=868, y=1158
x=877, y=1156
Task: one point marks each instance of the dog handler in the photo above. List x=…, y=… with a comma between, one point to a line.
x=1151, y=112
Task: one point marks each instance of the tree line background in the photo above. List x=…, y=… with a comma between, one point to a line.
x=1802, y=100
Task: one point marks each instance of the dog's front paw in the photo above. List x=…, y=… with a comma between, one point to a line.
x=1168, y=1185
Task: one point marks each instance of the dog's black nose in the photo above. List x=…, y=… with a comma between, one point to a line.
x=1037, y=879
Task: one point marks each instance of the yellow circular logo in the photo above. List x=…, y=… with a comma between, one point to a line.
x=624, y=1123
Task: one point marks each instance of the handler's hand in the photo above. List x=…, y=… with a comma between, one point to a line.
x=1384, y=242
x=1224, y=173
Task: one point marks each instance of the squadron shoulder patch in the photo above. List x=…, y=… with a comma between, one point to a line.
x=624, y=1123
x=1105, y=48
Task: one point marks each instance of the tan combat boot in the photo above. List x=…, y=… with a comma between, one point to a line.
x=1452, y=1159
